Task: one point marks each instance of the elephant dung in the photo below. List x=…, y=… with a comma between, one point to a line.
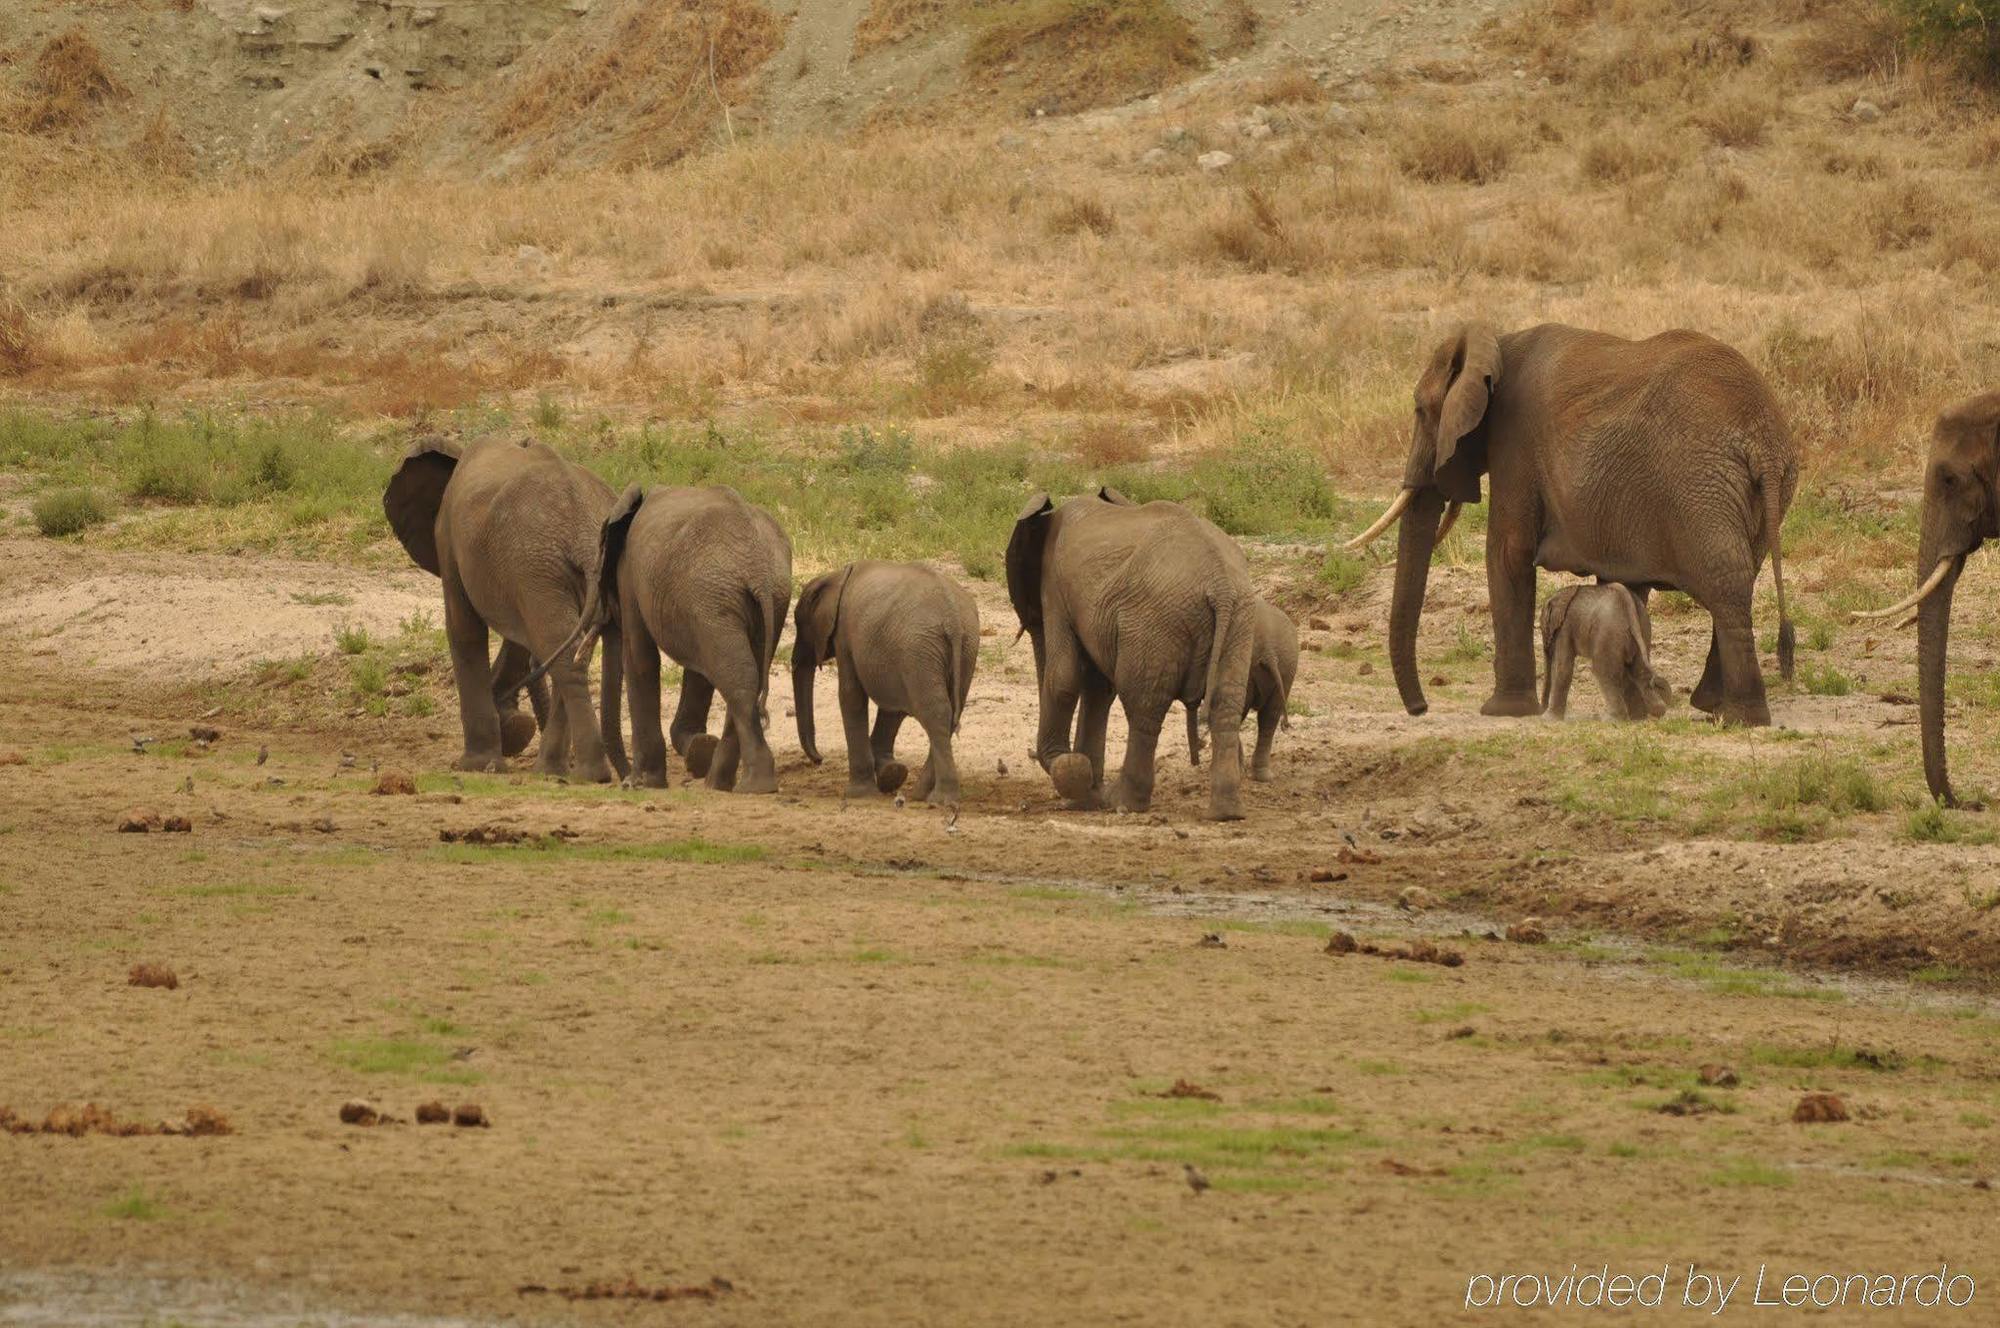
x=357, y=1112
x=471, y=1115
x=394, y=782
x=152, y=975
x=1415, y=899
x=433, y=1113
x=138, y=821
x=1819, y=1109
x=1528, y=931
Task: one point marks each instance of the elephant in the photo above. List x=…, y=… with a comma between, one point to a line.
x=1149, y=603
x=705, y=576
x=511, y=529
x=1609, y=627
x=1664, y=463
x=1961, y=512
x=1274, y=663
x=904, y=636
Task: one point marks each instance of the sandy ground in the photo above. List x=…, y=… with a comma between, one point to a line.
x=867, y=1064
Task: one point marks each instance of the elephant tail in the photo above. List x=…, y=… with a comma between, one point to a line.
x=766, y=621
x=1774, y=519
x=1552, y=625
x=953, y=693
x=1232, y=617
x=581, y=640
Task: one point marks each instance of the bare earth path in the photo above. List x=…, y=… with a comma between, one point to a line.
x=866, y=1065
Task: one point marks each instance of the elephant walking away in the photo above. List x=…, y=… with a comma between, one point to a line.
x=1607, y=626
x=511, y=528
x=1150, y=604
x=1274, y=663
x=903, y=636
x=706, y=577
x=1961, y=512
x=1662, y=463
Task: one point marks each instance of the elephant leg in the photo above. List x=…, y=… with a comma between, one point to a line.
x=1133, y=791
x=1093, y=718
x=742, y=738
x=553, y=758
x=938, y=781
x=642, y=692
x=579, y=749
x=1609, y=670
x=691, y=712
x=1061, y=682
x=882, y=742
x=1562, y=672
x=516, y=729
x=854, y=723
x=1743, y=700
x=477, y=715
x=1510, y=589
x=1267, y=733
x=1708, y=691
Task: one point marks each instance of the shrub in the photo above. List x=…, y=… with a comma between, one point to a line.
x=1968, y=30
x=1466, y=146
x=67, y=511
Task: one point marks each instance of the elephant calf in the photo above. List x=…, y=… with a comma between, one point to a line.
x=1608, y=625
x=1274, y=663
x=903, y=636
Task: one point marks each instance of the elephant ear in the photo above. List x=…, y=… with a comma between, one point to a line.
x=1474, y=370
x=1024, y=563
x=415, y=493
x=611, y=545
x=1110, y=495
x=817, y=619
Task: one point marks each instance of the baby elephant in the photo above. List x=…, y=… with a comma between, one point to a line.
x=1274, y=663
x=905, y=637
x=1607, y=624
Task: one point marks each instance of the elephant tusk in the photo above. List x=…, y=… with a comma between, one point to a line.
x=1923, y=592
x=1910, y=621
x=1382, y=523
x=1450, y=520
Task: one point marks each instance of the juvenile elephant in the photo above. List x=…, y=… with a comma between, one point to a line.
x=1608, y=626
x=706, y=577
x=1660, y=463
x=1274, y=663
x=1149, y=603
x=904, y=636
x=511, y=529
x=1961, y=512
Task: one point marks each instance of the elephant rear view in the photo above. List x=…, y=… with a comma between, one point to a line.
x=1150, y=604
x=1656, y=464
x=706, y=577
x=511, y=528
x=1274, y=664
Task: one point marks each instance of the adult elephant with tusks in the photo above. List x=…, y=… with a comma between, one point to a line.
x=1150, y=604
x=1961, y=512
x=511, y=529
x=705, y=576
x=1662, y=463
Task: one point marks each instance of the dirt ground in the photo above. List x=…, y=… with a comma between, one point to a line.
x=870, y=1063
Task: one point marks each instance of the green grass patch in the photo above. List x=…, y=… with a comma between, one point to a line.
x=1733, y=980
x=410, y=1057
x=136, y=1205
x=694, y=849
x=68, y=511
x=1932, y=823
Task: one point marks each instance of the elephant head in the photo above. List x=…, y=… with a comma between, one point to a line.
x=813, y=622
x=1447, y=457
x=1961, y=512
x=415, y=493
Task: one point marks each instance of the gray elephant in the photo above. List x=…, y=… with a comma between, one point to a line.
x=1609, y=627
x=1274, y=663
x=1150, y=604
x=706, y=577
x=903, y=636
x=1663, y=463
x=511, y=528
x=1961, y=512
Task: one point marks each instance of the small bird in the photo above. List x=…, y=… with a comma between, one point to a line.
x=1349, y=837
x=346, y=760
x=951, y=826
x=263, y=755
x=899, y=801
x=140, y=744
x=1196, y=1181
x=187, y=785
x=1003, y=767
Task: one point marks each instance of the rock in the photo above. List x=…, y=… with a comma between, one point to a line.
x=1865, y=111
x=1341, y=943
x=470, y=1115
x=394, y=782
x=1215, y=161
x=433, y=1113
x=1156, y=159
x=1819, y=1109
x=1718, y=1076
x=1415, y=899
x=357, y=1112
x=138, y=821
x=1528, y=931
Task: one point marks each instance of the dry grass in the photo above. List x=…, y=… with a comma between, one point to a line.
x=1456, y=144
x=888, y=22
x=66, y=85
x=1084, y=52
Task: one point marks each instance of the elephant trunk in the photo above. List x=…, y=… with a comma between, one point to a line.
x=1415, y=539
x=1933, y=633
x=804, y=666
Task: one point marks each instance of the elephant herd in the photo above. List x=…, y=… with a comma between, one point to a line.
x=1657, y=464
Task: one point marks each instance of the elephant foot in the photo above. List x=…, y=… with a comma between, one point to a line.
x=890, y=775
x=1074, y=778
x=1261, y=772
x=1512, y=704
x=476, y=763
x=648, y=779
x=926, y=785
x=1225, y=806
x=1123, y=797
x=861, y=790
x=594, y=773
x=1749, y=714
x=759, y=781
x=517, y=730
x=700, y=754
x=553, y=766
